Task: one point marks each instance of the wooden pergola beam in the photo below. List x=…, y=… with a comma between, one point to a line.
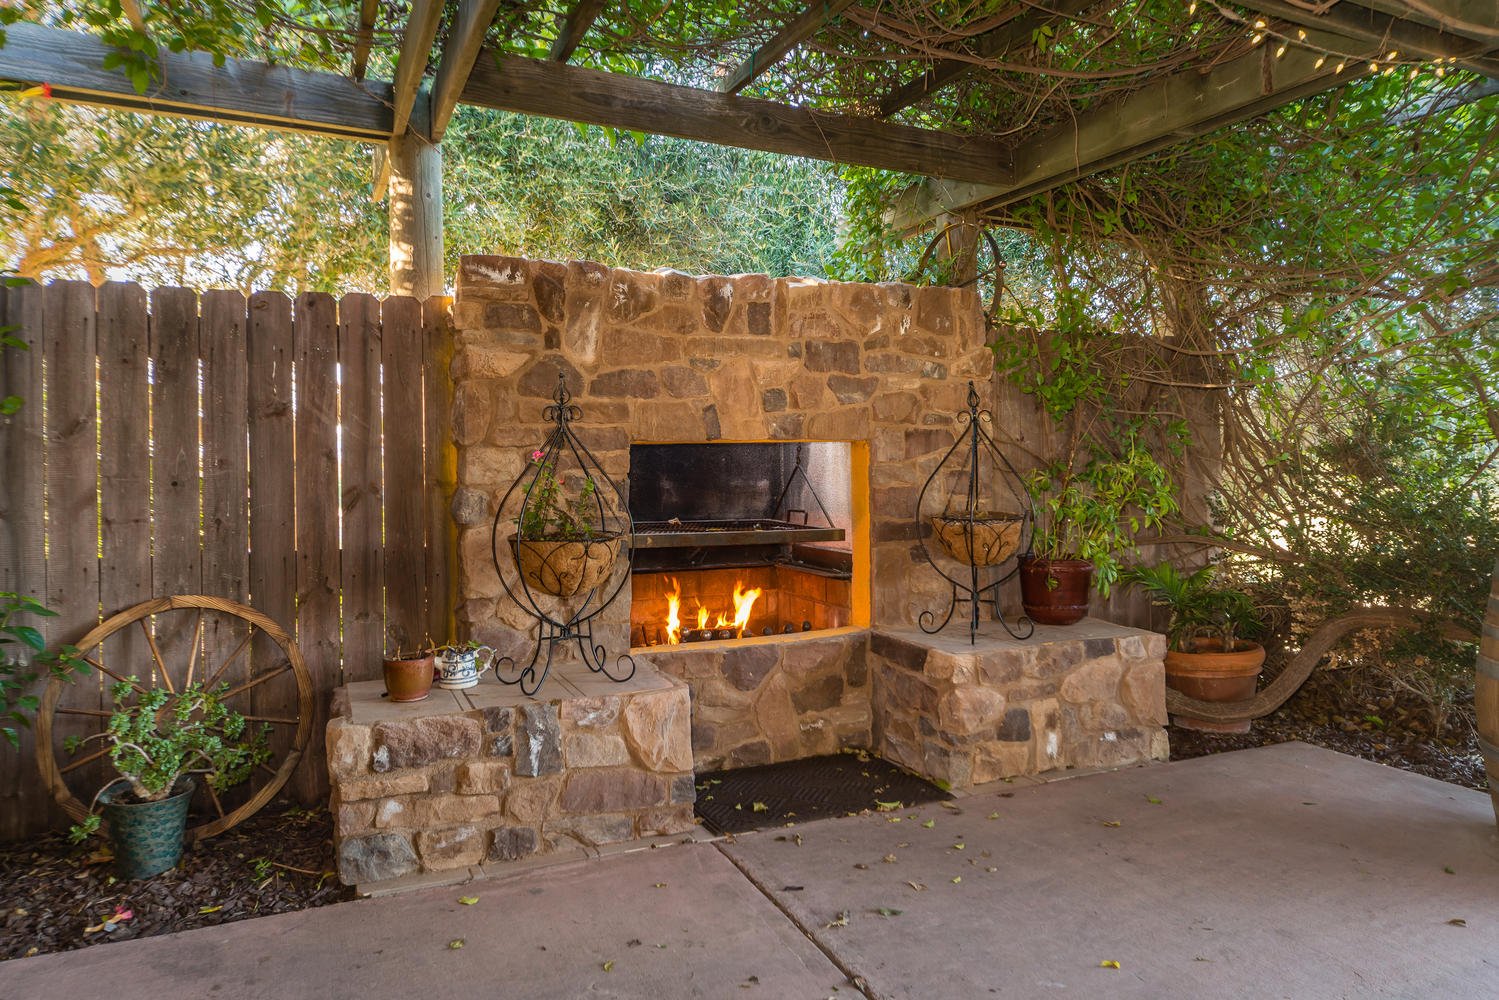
x=1018, y=30
x=239, y=92
x=459, y=53
x=411, y=63
x=1474, y=19
x=793, y=33
x=1361, y=24
x=573, y=93
x=575, y=25
x=1181, y=106
x=364, y=37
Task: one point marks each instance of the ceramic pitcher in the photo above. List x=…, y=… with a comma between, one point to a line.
x=460, y=668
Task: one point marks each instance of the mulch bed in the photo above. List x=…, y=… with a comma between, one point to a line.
x=52, y=893
x=1361, y=717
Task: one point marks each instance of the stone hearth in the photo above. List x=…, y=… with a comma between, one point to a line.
x=488, y=775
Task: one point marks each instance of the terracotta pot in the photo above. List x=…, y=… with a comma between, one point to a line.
x=565, y=568
x=1055, y=591
x=1208, y=673
x=995, y=537
x=409, y=679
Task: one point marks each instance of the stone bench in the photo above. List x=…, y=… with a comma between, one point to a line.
x=466, y=778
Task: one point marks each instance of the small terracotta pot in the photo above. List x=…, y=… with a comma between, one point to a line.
x=1208, y=673
x=1055, y=591
x=410, y=679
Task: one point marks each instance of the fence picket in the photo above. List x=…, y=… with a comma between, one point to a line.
x=405, y=530
x=359, y=416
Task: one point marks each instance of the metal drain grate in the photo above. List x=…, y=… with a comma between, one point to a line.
x=757, y=798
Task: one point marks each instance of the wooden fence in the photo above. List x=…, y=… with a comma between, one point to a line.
x=291, y=454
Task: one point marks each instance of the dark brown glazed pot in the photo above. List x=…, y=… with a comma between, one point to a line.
x=1207, y=673
x=410, y=679
x=1055, y=591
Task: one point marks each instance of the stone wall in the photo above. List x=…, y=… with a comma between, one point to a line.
x=668, y=357
x=1089, y=695
x=487, y=775
x=775, y=699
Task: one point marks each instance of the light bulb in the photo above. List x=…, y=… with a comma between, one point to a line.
x=1319, y=62
x=1280, y=51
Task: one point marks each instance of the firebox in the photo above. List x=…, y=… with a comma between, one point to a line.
x=734, y=540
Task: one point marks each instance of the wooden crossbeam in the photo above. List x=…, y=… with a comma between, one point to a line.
x=1016, y=31
x=239, y=92
x=797, y=30
x=1409, y=38
x=1162, y=113
x=1475, y=19
x=465, y=39
x=416, y=47
x=573, y=93
x=575, y=25
x=364, y=37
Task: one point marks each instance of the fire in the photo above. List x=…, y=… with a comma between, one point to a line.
x=744, y=603
x=673, y=604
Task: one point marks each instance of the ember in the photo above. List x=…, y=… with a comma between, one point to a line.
x=744, y=603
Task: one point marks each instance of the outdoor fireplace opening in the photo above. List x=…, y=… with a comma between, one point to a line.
x=742, y=540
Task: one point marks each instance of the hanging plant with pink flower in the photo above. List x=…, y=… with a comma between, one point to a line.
x=549, y=514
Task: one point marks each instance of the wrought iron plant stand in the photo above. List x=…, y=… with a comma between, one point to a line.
x=973, y=530
x=565, y=584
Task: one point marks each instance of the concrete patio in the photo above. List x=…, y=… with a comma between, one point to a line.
x=1287, y=871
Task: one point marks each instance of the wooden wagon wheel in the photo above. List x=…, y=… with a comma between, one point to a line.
x=128, y=648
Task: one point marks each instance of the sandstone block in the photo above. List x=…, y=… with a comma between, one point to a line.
x=590, y=713
x=852, y=423
x=898, y=651
x=1094, y=681
x=683, y=789
x=551, y=297
x=456, y=847
x=750, y=754
x=511, y=843
x=480, y=777
x=831, y=356
x=627, y=383
x=423, y=741
x=595, y=830
x=850, y=389
x=595, y=748
x=539, y=747
x=991, y=762
x=530, y=801
x=746, y=666
x=773, y=400
x=658, y=728
x=965, y=711
x=775, y=715
x=817, y=693
x=351, y=818
x=667, y=822
x=603, y=790
x=632, y=295
x=1143, y=691
x=1015, y=727
x=352, y=789
x=470, y=506
x=540, y=380
x=348, y=749
x=375, y=858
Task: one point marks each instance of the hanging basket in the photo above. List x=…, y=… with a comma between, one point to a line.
x=994, y=538
x=563, y=568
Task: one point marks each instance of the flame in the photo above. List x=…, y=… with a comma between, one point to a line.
x=673, y=622
x=744, y=601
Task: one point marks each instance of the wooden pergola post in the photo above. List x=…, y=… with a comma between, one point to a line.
x=415, y=210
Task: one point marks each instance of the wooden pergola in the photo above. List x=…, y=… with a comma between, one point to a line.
x=1235, y=61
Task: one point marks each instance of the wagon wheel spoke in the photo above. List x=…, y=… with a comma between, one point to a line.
x=256, y=681
x=214, y=796
x=192, y=658
x=110, y=673
x=229, y=661
x=166, y=678
x=74, y=765
x=268, y=769
x=84, y=711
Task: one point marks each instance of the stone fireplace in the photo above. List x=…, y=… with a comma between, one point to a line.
x=721, y=405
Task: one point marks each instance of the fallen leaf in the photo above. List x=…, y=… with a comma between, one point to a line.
x=886, y=911
x=455, y=944
x=885, y=807
x=956, y=879
x=991, y=869
x=1152, y=800
x=1111, y=822
x=633, y=943
x=609, y=965
x=917, y=886
x=209, y=909
x=468, y=900
x=994, y=815
x=841, y=920
x=659, y=885
x=1448, y=870
x=949, y=805
x=959, y=847
x=861, y=866
x=1108, y=963
x=760, y=807
x=889, y=859
x=1458, y=922
x=798, y=838
x=892, y=819
x=929, y=824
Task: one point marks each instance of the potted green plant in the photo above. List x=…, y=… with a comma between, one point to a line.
x=1208, y=654
x=408, y=672
x=558, y=545
x=22, y=650
x=1086, y=517
x=157, y=743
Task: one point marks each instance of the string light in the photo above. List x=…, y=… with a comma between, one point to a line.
x=1319, y=62
x=1257, y=39
x=1374, y=67
x=1441, y=71
x=1280, y=51
x=1413, y=73
x=1339, y=68
x=1192, y=8
x=1301, y=33
x=1391, y=56
x=1259, y=23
